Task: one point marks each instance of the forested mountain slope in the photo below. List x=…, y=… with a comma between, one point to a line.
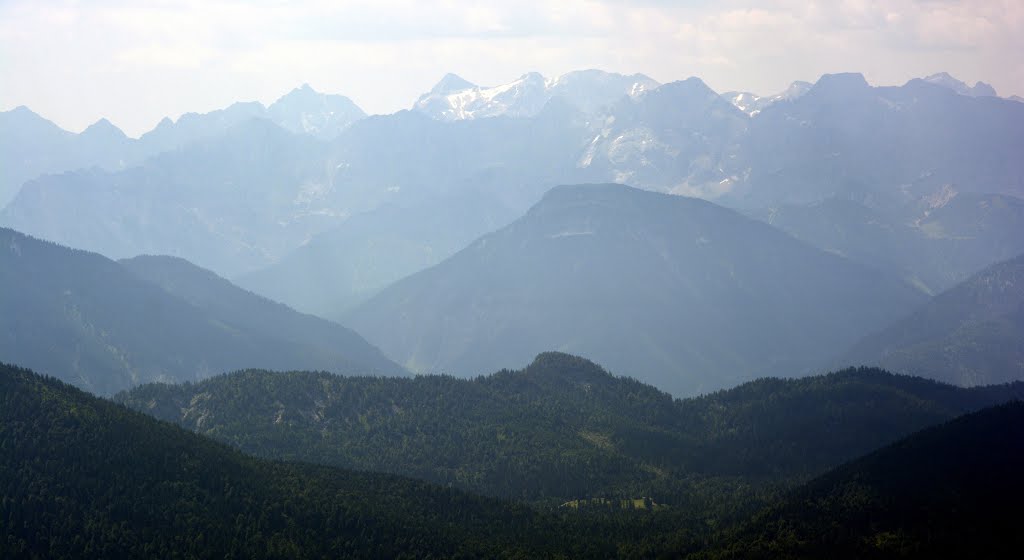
x=81, y=477
x=562, y=428
x=950, y=491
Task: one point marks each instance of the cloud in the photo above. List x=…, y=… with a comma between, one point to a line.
x=136, y=62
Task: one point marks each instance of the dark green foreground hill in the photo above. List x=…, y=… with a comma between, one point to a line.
x=81, y=477
x=951, y=491
x=564, y=428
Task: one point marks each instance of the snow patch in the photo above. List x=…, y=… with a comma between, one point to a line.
x=571, y=233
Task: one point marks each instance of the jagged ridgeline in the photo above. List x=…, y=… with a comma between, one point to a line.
x=891, y=153
x=31, y=146
x=563, y=428
x=82, y=477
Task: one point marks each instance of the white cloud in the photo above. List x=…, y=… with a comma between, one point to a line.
x=135, y=62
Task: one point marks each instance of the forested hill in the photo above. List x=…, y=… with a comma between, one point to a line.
x=951, y=491
x=562, y=428
x=82, y=477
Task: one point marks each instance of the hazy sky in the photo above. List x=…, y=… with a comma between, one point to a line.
x=134, y=61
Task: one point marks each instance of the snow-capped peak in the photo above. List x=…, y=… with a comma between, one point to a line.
x=745, y=101
x=304, y=110
x=450, y=83
x=752, y=104
x=980, y=89
x=588, y=90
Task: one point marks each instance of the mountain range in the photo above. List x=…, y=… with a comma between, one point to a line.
x=218, y=202
x=883, y=146
x=241, y=201
x=835, y=139
x=325, y=225
x=761, y=240
x=832, y=140
x=31, y=146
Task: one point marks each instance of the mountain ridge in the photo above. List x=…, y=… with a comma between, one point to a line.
x=686, y=276
x=454, y=98
x=104, y=327
x=971, y=334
